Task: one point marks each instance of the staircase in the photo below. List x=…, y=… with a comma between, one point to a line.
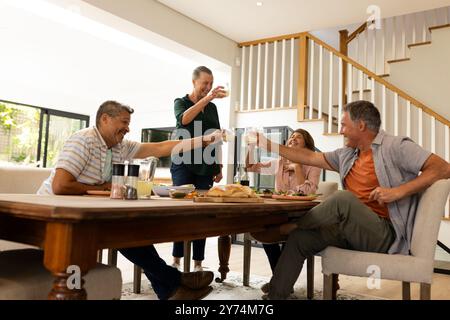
x=300, y=81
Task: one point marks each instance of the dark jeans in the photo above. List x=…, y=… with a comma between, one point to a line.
x=181, y=175
x=273, y=252
x=165, y=279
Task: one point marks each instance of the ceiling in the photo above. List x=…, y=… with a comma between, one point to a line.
x=243, y=20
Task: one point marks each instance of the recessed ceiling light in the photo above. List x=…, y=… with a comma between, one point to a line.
x=259, y=4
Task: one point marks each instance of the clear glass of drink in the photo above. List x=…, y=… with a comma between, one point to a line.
x=251, y=135
x=146, y=174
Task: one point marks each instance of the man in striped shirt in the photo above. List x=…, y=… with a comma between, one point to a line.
x=85, y=164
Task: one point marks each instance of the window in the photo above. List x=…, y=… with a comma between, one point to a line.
x=32, y=135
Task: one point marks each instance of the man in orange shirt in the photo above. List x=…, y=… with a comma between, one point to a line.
x=376, y=212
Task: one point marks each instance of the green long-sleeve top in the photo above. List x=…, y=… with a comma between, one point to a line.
x=209, y=119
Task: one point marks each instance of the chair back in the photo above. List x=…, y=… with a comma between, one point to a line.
x=428, y=219
x=326, y=189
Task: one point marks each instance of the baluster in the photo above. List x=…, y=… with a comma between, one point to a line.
x=291, y=85
x=349, y=83
x=447, y=143
x=258, y=78
x=408, y=118
x=413, y=27
x=250, y=78
x=447, y=21
x=274, y=79
x=394, y=43
x=383, y=110
x=330, y=96
x=372, y=93
x=420, y=127
x=266, y=73
x=433, y=134
x=396, y=114
x=320, y=81
x=365, y=57
x=403, y=37
x=374, y=53
x=311, y=80
x=361, y=88
x=242, y=106
x=424, y=28
x=283, y=71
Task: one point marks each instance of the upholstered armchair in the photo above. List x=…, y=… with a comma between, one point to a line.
x=416, y=267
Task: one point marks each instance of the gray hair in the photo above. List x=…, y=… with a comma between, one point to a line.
x=198, y=70
x=364, y=111
x=112, y=109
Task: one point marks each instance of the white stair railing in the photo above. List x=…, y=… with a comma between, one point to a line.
x=393, y=39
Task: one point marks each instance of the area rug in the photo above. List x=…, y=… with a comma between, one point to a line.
x=232, y=289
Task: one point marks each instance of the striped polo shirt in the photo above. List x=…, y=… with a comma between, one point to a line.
x=84, y=156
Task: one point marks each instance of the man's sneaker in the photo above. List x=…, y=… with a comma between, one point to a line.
x=196, y=280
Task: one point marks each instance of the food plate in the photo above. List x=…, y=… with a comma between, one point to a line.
x=163, y=191
x=296, y=198
x=228, y=200
x=100, y=193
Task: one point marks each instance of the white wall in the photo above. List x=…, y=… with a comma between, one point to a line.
x=58, y=62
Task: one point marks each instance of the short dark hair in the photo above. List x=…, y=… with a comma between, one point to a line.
x=309, y=141
x=198, y=70
x=364, y=111
x=112, y=109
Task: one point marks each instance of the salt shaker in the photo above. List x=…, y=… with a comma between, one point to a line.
x=117, y=181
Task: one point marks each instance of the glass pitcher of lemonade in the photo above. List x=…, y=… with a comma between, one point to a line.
x=146, y=175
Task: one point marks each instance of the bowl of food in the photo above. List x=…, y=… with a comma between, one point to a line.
x=178, y=194
x=163, y=191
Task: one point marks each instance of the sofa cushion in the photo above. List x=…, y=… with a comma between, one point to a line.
x=22, y=179
x=357, y=263
x=24, y=277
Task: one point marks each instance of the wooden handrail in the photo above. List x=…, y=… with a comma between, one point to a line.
x=273, y=39
x=388, y=85
x=360, y=29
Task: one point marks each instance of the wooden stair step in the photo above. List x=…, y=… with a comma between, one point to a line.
x=439, y=27
x=324, y=115
x=398, y=60
x=418, y=44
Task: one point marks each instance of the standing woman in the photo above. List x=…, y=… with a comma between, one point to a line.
x=290, y=177
x=195, y=113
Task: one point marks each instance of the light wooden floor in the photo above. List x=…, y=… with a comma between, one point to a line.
x=260, y=266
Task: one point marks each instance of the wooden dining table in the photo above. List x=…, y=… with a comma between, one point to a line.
x=71, y=229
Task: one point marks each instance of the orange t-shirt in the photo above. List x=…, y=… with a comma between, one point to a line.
x=362, y=180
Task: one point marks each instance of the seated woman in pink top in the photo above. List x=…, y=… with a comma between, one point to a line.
x=290, y=177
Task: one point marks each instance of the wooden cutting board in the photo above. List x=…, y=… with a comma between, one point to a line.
x=296, y=198
x=228, y=200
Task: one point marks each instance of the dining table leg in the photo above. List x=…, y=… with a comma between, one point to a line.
x=224, y=248
x=69, y=252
